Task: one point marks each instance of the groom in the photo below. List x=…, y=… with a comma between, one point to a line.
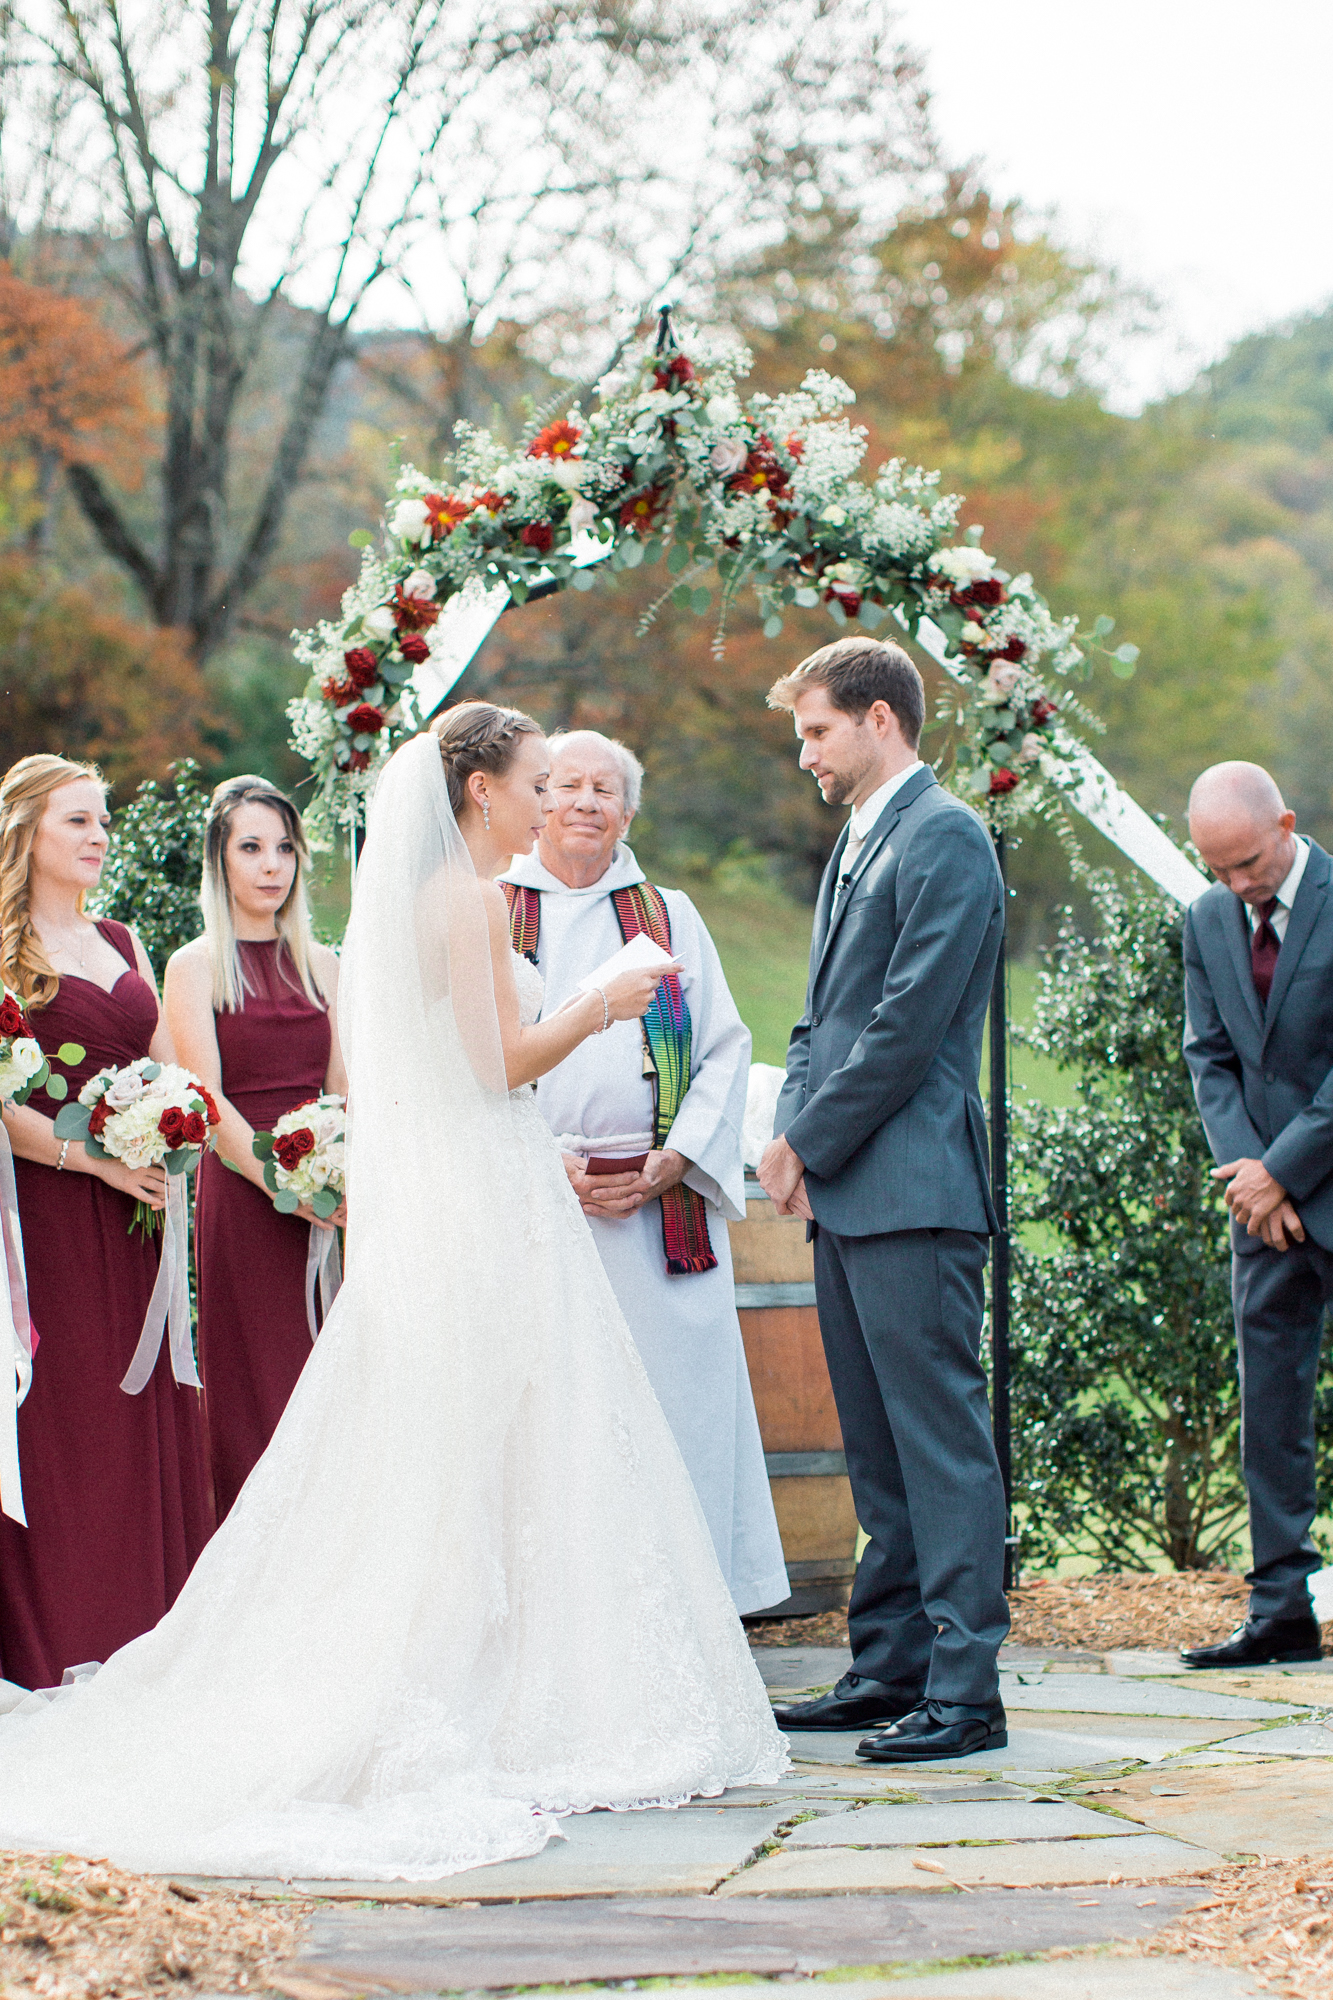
x=882, y=1148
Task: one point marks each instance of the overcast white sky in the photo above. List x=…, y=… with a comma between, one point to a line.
x=1191, y=144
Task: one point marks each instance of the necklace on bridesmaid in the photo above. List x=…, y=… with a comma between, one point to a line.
x=65, y=946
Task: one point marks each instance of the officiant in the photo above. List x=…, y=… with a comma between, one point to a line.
x=648, y=1120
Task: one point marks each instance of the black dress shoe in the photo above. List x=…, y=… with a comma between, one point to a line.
x=1261, y=1642
x=938, y=1729
x=855, y=1703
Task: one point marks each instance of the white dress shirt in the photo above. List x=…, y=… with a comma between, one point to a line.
x=863, y=819
x=1286, y=895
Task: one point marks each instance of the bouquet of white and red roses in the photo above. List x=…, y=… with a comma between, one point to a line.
x=23, y=1064
x=146, y=1114
x=304, y=1156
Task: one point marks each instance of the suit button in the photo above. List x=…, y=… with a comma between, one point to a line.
x=816, y=1019
x=1270, y=1076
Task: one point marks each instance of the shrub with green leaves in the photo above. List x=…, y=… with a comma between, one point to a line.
x=151, y=877
x=1126, y=1401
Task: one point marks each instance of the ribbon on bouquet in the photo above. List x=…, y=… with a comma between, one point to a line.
x=15, y=1336
x=169, y=1307
x=322, y=1262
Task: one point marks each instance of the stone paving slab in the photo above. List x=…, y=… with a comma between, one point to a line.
x=826, y=1871
x=791, y=1669
x=1139, y=1663
x=1055, y=1749
x=447, y=1950
x=1302, y=1739
x=1112, y=1694
x=1079, y=1979
x=1282, y=1811
x=909, y=1826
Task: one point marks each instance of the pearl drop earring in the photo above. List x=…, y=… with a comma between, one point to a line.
x=486, y=814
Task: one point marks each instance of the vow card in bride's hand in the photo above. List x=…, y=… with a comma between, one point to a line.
x=640, y=954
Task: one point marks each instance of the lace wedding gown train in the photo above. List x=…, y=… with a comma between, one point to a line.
x=469, y=1586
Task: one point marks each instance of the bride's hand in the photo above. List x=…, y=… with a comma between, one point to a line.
x=629, y=995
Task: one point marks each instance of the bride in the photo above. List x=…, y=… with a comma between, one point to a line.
x=468, y=1587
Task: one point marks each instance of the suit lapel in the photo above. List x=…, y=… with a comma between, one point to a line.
x=1236, y=926
x=1305, y=914
x=875, y=839
x=824, y=901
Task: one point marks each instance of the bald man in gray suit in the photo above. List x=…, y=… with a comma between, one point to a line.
x=1259, y=1045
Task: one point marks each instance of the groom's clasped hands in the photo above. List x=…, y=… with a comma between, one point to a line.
x=782, y=1177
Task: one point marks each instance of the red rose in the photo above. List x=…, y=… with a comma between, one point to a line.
x=538, y=535
x=1042, y=710
x=193, y=1129
x=354, y=760
x=414, y=648
x=362, y=666
x=211, y=1111
x=843, y=594
x=365, y=720
x=1013, y=649
x=13, y=1021
x=1003, y=781
x=673, y=374
x=172, y=1125
x=986, y=590
x=98, y=1118
x=292, y=1148
x=413, y=614
x=556, y=441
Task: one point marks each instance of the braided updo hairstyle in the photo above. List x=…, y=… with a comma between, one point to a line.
x=478, y=736
x=24, y=791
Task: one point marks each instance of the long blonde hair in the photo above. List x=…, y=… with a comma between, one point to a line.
x=293, y=919
x=24, y=791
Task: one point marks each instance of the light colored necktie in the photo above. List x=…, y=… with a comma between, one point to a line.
x=850, y=855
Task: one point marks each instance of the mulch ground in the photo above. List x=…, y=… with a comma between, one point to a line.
x=1129, y=1612
x=1275, y=1920
x=74, y=1929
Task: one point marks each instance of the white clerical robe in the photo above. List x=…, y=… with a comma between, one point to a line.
x=685, y=1327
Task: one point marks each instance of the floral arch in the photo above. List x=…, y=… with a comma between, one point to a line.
x=766, y=494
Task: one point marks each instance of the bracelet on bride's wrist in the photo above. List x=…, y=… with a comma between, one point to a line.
x=63, y=1150
x=606, y=1012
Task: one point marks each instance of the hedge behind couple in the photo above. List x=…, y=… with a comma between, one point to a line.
x=469, y=1587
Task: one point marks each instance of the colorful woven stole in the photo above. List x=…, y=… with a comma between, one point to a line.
x=666, y=1034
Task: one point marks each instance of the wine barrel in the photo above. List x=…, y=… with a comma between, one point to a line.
x=798, y=1422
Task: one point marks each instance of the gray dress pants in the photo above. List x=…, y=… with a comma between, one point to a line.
x=1279, y=1298
x=901, y=1318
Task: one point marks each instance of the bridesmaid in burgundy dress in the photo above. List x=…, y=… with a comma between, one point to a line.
x=115, y=1487
x=252, y=1006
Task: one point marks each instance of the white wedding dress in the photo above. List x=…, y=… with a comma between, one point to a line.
x=468, y=1586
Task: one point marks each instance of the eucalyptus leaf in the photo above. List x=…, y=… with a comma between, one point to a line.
x=285, y=1202
x=360, y=538
x=72, y=1121
x=1127, y=655
x=70, y=1052
x=700, y=600
x=262, y=1145
x=151, y=1072
x=678, y=558
x=806, y=597
x=871, y=615
x=324, y=1202
x=681, y=596
x=57, y=1087
x=632, y=554
x=94, y=1150
x=583, y=579
x=652, y=550
x=1103, y=626
x=772, y=626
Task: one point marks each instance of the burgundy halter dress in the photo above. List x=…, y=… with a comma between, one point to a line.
x=115, y=1487
x=254, y=1336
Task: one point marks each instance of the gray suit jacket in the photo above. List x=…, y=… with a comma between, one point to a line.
x=881, y=1098
x=1263, y=1077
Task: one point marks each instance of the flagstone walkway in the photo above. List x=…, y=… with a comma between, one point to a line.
x=1124, y=1783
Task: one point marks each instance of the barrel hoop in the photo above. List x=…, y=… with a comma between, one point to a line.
x=755, y=1190
x=750, y=1296
x=828, y=1570
x=805, y=1464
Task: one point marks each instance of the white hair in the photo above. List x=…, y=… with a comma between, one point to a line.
x=631, y=770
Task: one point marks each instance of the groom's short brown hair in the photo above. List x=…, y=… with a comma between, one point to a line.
x=857, y=672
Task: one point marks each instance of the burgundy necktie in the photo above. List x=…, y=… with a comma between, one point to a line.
x=1264, y=948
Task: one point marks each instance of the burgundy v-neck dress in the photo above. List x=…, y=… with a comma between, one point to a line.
x=254, y=1337
x=115, y=1487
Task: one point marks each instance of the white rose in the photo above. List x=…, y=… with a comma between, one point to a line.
x=728, y=457
x=26, y=1057
x=92, y=1090
x=1032, y=748
x=126, y=1088
x=410, y=521
x=963, y=565
x=722, y=410
x=380, y=622
x=1003, y=677
x=582, y=517
x=569, y=473
x=420, y=583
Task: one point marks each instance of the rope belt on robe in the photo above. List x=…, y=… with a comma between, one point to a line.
x=641, y=910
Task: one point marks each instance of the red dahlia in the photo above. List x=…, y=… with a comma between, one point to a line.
x=763, y=472
x=538, y=535
x=13, y=1021
x=493, y=501
x=1003, y=781
x=413, y=614
x=843, y=594
x=673, y=374
x=340, y=692
x=364, y=720
x=444, y=512
x=642, y=511
x=414, y=648
x=1042, y=710
x=556, y=441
